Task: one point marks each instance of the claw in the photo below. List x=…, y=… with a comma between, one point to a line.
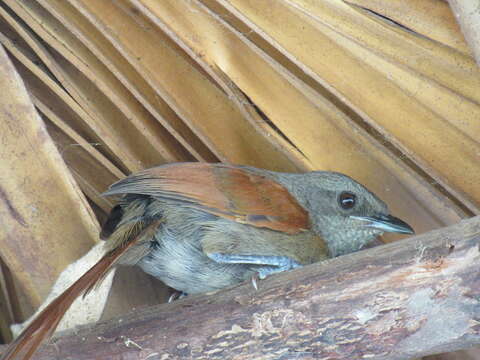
x=254, y=282
x=173, y=297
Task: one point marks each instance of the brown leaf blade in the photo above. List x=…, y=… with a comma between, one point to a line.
x=43, y=212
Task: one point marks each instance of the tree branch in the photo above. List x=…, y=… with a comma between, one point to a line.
x=407, y=299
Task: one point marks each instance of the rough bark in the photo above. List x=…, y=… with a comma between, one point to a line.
x=467, y=13
x=407, y=299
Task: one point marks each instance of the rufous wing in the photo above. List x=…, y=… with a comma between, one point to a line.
x=224, y=190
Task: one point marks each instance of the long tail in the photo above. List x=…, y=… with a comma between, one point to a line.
x=43, y=326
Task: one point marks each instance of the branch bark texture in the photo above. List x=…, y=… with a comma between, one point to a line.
x=407, y=299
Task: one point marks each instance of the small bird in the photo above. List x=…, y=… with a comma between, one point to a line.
x=200, y=227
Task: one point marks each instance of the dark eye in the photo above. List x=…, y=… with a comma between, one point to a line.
x=347, y=200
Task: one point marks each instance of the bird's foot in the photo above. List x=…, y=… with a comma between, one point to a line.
x=177, y=295
x=263, y=272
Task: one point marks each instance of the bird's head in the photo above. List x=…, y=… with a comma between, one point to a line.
x=345, y=213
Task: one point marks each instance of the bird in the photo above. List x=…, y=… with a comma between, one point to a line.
x=201, y=227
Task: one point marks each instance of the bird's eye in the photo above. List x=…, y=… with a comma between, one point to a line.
x=347, y=200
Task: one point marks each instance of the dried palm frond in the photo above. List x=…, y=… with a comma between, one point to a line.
x=382, y=91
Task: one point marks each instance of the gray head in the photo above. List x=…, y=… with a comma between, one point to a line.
x=346, y=214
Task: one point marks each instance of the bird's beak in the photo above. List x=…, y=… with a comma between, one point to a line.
x=386, y=223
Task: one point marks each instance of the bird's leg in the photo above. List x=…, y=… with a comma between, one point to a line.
x=270, y=263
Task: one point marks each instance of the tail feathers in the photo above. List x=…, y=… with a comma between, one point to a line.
x=46, y=322
x=43, y=326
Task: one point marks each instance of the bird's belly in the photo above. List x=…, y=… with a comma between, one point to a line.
x=182, y=265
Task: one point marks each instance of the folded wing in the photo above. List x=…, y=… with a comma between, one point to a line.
x=224, y=190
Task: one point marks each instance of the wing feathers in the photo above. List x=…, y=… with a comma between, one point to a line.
x=224, y=190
